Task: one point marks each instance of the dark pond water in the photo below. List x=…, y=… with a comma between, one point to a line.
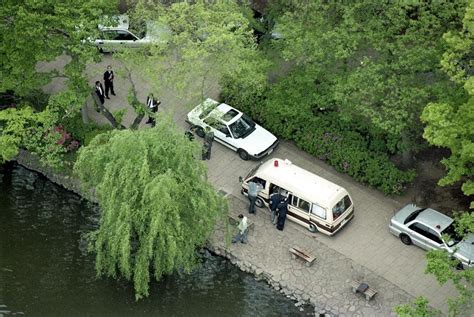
x=46, y=271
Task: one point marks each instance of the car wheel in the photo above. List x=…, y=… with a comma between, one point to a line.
x=200, y=132
x=259, y=202
x=459, y=266
x=101, y=50
x=312, y=228
x=405, y=239
x=243, y=155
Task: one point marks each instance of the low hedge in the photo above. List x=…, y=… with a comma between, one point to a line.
x=321, y=135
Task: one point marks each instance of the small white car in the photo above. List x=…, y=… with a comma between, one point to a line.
x=117, y=37
x=233, y=129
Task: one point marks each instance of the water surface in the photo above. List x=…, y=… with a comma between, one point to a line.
x=46, y=271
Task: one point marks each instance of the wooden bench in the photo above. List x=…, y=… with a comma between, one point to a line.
x=368, y=293
x=302, y=254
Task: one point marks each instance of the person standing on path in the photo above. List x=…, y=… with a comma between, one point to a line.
x=275, y=199
x=109, y=81
x=243, y=230
x=254, y=188
x=99, y=96
x=207, y=145
x=152, y=104
x=282, y=211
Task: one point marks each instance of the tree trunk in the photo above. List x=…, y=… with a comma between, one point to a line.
x=100, y=107
x=407, y=154
x=85, y=118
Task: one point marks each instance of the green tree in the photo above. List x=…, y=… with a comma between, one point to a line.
x=157, y=206
x=419, y=308
x=445, y=269
x=206, y=42
x=34, y=31
x=449, y=124
x=24, y=127
x=375, y=63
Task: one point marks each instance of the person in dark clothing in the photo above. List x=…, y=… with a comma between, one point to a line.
x=152, y=104
x=109, y=81
x=282, y=211
x=207, y=145
x=99, y=96
x=190, y=134
x=275, y=199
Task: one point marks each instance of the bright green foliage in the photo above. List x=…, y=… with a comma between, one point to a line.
x=33, y=31
x=419, y=308
x=288, y=109
x=18, y=126
x=443, y=267
x=208, y=41
x=451, y=125
x=465, y=223
x=376, y=61
x=23, y=127
x=157, y=206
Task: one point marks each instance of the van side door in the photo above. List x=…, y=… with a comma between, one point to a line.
x=299, y=209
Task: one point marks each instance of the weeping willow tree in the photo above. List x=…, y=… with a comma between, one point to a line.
x=157, y=206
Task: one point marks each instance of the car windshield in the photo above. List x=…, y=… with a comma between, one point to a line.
x=242, y=127
x=454, y=238
x=413, y=215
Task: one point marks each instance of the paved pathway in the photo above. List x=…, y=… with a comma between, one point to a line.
x=363, y=248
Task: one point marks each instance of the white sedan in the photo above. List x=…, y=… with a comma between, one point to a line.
x=233, y=129
x=117, y=36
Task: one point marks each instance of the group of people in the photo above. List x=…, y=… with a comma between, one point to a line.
x=101, y=94
x=278, y=210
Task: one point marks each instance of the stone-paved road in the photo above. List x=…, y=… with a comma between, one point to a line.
x=364, y=243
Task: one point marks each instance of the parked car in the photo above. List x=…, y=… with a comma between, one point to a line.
x=233, y=129
x=116, y=35
x=427, y=228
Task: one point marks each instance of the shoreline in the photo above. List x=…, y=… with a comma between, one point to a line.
x=325, y=285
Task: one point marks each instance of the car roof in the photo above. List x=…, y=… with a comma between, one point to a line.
x=122, y=23
x=434, y=219
x=301, y=182
x=223, y=109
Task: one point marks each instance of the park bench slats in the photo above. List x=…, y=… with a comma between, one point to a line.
x=297, y=252
x=368, y=293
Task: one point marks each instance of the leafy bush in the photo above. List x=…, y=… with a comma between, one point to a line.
x=83, y=132
x=288, y=110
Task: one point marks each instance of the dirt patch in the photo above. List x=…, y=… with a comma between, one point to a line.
x=425, y=190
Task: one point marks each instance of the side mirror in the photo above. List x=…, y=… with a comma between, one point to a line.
x=241, y=179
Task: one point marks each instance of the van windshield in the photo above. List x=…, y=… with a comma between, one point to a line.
x=341, y=207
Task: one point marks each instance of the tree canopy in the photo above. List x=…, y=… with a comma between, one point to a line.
x=207, y=41
x=34, y=31
x=375, y=63
x=451, y=124
x=39, y=31
x=157, y=206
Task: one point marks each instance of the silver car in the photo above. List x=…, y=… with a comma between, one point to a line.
x=426, y=228
x=117, y=37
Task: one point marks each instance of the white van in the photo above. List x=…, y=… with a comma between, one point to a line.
x=313, y=201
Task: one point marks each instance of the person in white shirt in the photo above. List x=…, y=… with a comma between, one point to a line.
x=254, y=188
x=243, y=230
